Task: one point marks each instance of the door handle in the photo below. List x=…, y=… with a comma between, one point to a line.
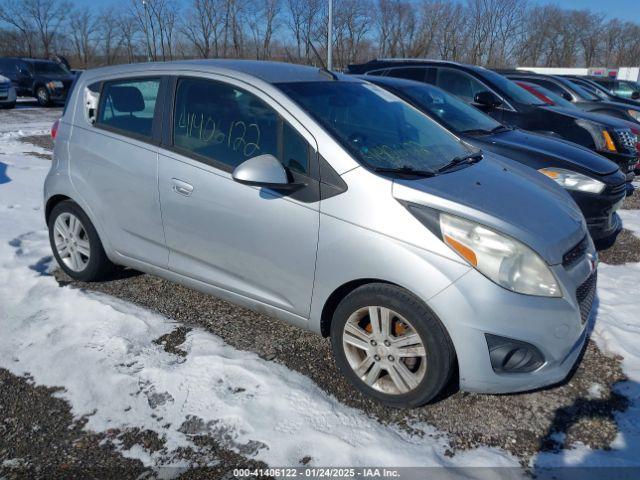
x=181, y=187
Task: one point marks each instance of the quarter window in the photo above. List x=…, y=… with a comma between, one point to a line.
x=410, y=73
x=295, y=150
x=129, y=106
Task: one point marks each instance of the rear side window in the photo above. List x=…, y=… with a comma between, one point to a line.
x=410, y=73
x=222, y=123
x=128, y=106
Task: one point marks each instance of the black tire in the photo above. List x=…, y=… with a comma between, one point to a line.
x=43, y=97
x=98, y=266
x=440, y=353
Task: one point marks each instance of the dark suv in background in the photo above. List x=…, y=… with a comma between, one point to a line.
x=46, y=80
x=512, y=105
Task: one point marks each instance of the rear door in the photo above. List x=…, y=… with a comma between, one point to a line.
x=115, y=165
x=255, y=242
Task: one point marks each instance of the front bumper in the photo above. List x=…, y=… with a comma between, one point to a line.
x=474, y=306
x=58, y=95
x=7, y=96
x=600, y=213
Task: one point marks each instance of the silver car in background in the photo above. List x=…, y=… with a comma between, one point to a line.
x=333, y=205
x=7, y=93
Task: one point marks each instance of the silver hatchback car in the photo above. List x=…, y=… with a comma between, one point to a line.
x=333, y=205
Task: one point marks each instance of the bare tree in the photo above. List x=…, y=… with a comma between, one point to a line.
x=202, y=27
x=82, y=28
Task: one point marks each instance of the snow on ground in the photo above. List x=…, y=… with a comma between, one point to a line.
x=631, y=219
x=100, y=349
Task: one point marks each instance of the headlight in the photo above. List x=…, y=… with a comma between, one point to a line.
x=573, y=180
x=601, y=138
x=502, y=259
x=635, y=114
x=55, y=84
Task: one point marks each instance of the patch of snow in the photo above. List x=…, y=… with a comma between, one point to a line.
x=631, y=219
x=616, y=332
x=596, y=391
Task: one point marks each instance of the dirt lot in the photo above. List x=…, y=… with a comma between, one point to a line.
x=36, y=425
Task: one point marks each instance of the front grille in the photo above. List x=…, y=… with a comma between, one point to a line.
x=574, y=255
x=4, y=89
x=618, y=189
x=626, y=139
x=585, y=295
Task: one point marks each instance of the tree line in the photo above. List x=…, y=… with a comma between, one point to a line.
x=496, y=33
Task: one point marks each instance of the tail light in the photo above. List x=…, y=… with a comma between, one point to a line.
x=54, y=129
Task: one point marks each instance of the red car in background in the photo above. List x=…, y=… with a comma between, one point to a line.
x=551, y=98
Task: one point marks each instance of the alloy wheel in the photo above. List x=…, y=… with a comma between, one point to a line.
x=71, y=241
x=384, y=350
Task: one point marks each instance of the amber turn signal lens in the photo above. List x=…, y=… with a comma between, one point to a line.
x=465, y=252
x=609, y=141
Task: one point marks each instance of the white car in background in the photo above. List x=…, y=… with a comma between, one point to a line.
x=7, y=93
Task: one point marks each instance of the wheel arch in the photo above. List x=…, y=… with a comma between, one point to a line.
x=334, y=299
x=52, y=202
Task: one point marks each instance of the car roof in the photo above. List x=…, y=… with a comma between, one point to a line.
x=391, y=62
x=393, y=81
x=267, y=71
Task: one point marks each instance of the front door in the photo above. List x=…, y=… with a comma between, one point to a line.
x=255, y=242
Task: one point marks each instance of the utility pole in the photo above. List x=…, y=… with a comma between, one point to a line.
x=329, y=37
x=146, y=29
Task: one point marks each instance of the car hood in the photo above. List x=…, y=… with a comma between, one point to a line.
x=507, y=197
x=4, y=79
x=606, y=120
x=551, y=148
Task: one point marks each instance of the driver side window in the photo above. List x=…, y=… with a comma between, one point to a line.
x=459, y=83
x=226, y=125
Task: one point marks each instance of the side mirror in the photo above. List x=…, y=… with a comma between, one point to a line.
x=635, y=95
x=263, y=171
x=487, y=99
x=567, y=96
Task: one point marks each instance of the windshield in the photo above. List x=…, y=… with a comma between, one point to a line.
x=626, y=88
x=452, y=112
x=554, y=97
x=583, y=93
x=379, y=129
x=49, y=68
x=510, y=89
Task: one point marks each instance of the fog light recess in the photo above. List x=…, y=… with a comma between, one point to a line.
x=512, y=356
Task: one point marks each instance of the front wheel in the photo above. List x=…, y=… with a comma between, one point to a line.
x=76, y=245
x=391, y=346
x=43, y=97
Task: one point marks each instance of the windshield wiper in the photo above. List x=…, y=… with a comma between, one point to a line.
x=476, y=131
x=406, y=170
x=500, y=128
x=469, y=158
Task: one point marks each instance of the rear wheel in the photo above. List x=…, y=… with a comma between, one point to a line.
x=76, y=245
x=390, y=346
x=43, y=97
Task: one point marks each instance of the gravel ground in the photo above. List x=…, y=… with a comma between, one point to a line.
x=37, y=427
x=522, y=424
